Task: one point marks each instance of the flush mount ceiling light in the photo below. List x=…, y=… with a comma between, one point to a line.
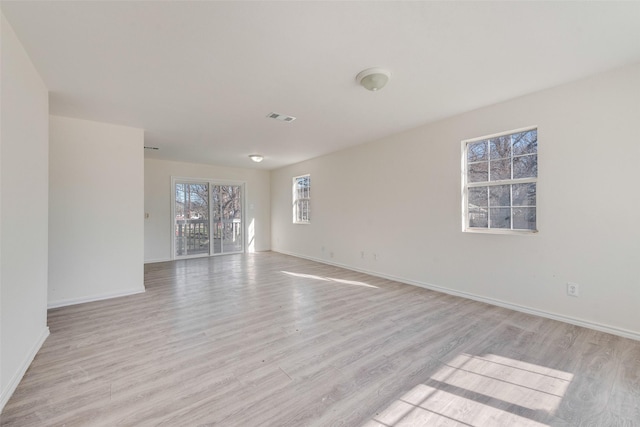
x=256, y=157
x=373, y=78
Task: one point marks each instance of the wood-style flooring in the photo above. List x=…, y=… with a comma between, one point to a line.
x=271, y=340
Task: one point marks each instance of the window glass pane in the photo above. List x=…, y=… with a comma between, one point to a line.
x=525, y=142
x=478, y=172
x=524, y=194
x=192, y=219
x=477, y=151
x=303, y=186
x=301, y=196
x=502, y=160
x=478, y=217
x=478, y=196
x=216, y=198
x=525, y=166
x=500, y=217
x=524, y=218
x=500, y=195
x=500, y=147
x=500, y=169
x=231, y=218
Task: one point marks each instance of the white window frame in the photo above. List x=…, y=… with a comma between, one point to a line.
x=466, y=185
x=297, y=201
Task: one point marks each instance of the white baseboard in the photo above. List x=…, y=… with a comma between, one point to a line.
x=153, y=261
x=5, y=395
x=554, y=316
x=91, y=298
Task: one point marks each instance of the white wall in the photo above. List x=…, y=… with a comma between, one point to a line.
x=157, y=202
x=96, y=211
x=399, y=198
x=23, y=212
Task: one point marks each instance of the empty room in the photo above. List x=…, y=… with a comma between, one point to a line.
x=319, y=213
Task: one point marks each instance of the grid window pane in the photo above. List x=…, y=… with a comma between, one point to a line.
x=500, y=147
x=524, y=194
x=500, y=217
x=524, y=218
x=525, y=142
x=500, y=195
x=479, y=196
x=506, y=167
x=301, y=199
x=477, y=151
x=525, y=166
x=478, y=217
x=500, y=170
x=478, y=172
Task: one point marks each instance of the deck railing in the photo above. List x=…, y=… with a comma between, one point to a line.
x=193, y=237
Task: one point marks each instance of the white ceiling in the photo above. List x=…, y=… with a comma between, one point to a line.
x=200, y=77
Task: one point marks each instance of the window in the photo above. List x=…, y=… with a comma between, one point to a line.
x=302, y=199
x=499, y=178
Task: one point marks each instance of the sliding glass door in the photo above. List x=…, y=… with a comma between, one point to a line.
x=208, y=218
x=227, y=219
x=191, y=219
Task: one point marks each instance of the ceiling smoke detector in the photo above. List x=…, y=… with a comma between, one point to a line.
x=281, y=117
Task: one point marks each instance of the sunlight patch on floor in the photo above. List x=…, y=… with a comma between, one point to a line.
x=487, y=390
x=507, y=380
x=329, y=279
x=428, y=406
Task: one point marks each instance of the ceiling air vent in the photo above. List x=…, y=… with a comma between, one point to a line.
x=151, y=148
x=281, y=117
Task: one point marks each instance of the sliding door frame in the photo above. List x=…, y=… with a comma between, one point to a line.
x=210, y=183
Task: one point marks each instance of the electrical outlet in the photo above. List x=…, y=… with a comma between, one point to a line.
x=573, y=289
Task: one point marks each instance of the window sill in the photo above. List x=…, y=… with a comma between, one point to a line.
x=499, y=231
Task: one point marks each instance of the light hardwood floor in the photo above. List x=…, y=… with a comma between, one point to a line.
x=268, y=339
